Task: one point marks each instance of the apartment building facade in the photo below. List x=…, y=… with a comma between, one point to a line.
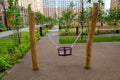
x=52, y=7
x=36, y=5
x=56, y=7
x=3, y=7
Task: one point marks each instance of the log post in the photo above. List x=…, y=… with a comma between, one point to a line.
x=91, y=35
x=33, y=41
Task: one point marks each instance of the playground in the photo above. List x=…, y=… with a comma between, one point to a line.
x=105, y=63
x=89, y=61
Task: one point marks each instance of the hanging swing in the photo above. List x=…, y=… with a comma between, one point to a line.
x=64, y=51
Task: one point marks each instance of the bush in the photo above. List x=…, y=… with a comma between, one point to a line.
x=69, y=32
x=18, y=51
x=50, y=26
x=45, y=30
x=2, y=27
x=4, y=62
x=37, y=35
x=13, y=53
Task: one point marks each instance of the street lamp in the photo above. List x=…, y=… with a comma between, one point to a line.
x=5, y=18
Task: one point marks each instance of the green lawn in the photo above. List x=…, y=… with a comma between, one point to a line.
x=4, y=43
x=67, y=39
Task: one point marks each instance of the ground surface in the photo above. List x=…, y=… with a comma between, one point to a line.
x=105, y=63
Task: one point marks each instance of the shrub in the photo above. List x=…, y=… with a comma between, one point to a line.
x=4, y=61
x=2, y=26
x=13, y=53
x=45, y=30
x=37, y=35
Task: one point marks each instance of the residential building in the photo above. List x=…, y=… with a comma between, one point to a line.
x=49, y=7
x=1, y=13
x=56, y=7
x=3, y=7
x=52, y=7
x=40, y=6
x=36, y=5
x=115, y=3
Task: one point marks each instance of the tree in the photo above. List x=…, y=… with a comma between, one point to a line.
x=40, y=18
x=113, y=14
x=14, y=19
x=100, y=10
x=87, y=15
x=68, y=17
x=29, y=8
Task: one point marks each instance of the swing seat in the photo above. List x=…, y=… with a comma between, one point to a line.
x=64, y=51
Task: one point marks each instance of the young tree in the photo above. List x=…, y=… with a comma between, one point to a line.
x=100, y=10
x=40, y=18
x=113, y=15
x=68, y=17
x=14, y=19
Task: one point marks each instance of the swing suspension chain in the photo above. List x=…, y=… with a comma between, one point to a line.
x=58, y=46
x=76, y=39
x=52, y=41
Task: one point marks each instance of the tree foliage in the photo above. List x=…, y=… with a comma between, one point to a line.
x=29, y=8
x=68, y=15
x=13, y=13
x=113, y=14
x=100, y=9
x=14, y=19
x=39, y=17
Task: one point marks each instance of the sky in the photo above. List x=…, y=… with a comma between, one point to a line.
x=107, y=4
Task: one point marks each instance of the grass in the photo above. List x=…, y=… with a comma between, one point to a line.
x=64, y=40
x=106, y=39
x=4, y=43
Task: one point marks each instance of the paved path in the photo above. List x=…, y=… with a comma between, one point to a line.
x=105, y=63
x=7, y=33
x=54, y=32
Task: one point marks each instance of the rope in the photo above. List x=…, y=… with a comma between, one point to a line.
x=52, y=41
x=76, y=39
x=58, y=46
